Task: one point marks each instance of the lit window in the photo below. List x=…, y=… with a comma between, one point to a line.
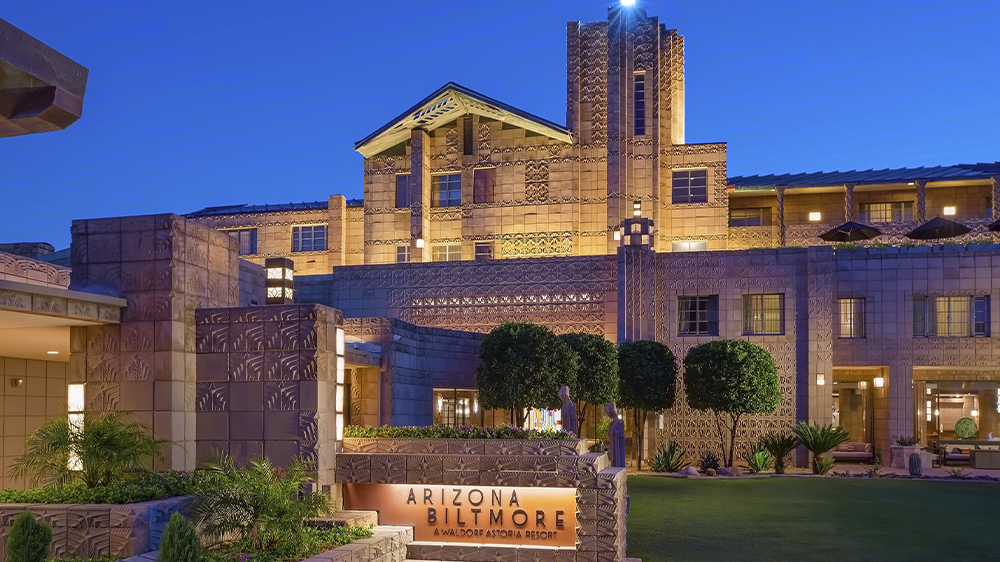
x=897, y=211
x=764, y=314
x=75, y=405
x=962, y=316
x=309, y=238
x=483, y=185
x=949, y=211
x=698, y=316
x=814, y=217
x=446, y=191
x=689, y=246
x=402, y=191
x=447, y=252
x=403, y=254
x=852, y=317
x=484, y=251
x=760, y=216
x=247, y=239
x=690, y=186
x=639, y=107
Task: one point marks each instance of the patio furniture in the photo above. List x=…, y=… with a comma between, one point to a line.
x=853, y=452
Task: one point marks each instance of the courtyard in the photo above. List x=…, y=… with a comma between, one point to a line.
x=816, y=519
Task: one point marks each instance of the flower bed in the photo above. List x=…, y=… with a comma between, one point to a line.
x=450, y=432
x=315, y=541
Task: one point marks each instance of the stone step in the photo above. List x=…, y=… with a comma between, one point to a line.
x=438, y=552
x=345, y=519
x=387, y=544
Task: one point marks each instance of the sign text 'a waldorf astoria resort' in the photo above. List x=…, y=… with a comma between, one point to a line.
x=472, y=514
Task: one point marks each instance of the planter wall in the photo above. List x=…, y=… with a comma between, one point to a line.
x=88, y=530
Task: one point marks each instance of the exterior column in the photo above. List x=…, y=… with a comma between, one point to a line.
x=420, y=195
x=636, y=293
x=849, y=201
x=780, y=189
x=337, y=231
x=996, y=197
x=921, y=201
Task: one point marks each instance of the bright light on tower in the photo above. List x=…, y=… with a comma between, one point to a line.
x=628, y=3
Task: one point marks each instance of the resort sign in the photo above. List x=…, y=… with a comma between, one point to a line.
x=472, y=514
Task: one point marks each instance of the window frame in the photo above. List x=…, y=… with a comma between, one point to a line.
x=905, y=212
x=297, y=238
x=704, y=312
x=764, y=221
x=480, y=245
x=639, y=104
x=484, y=185
x=757, y=326
x=851, y=317
x=688, y=194
x=402, y=191
x=929, y=310
x=451, y=181
x=236, y=234
x=449, y=251
x=403, y=250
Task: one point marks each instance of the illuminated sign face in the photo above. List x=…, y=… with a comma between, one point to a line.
x=472, y=514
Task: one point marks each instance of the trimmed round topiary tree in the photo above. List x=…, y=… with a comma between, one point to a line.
x=597, y=377
x=179, y=542
x=648, y=372
x=29, y=539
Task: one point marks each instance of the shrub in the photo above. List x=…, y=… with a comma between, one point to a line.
x=179, y=542
x=28, y=540
x=874, y=469
x=819, y=439
x=780, y=445
x=906, y=440
x=100, y=451
x=668, y=458
x=449, y=432
x=261, y=505
x=150, y=486
x=708, y=461
x=758, y=461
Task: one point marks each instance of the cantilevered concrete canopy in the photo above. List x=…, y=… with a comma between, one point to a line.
x=448, y=103
x=41, y=89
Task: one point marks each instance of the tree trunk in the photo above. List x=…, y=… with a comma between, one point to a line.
x=638, y=418
x=581, y=415
x=732, y=439
x=722, y=434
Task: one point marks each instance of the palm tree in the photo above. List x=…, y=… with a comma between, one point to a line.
x=99, y=450
x=779, y=445
x=819, y=439
x=261, y=504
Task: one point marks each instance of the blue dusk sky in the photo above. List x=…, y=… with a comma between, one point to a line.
x=195, y=104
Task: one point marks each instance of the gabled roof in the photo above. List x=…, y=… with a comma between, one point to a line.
x=274, y=208
x=444, y=106
x=886, y=176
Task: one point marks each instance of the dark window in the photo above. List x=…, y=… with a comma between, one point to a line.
x=402, y=254
x=897, y=211
x=951, y=316
x=467, y=135
x=698, y=316
x=690, y=186
x=402, y=191
x=484, y=251
x=309, y=238
x=247, y=237
x=760, y=216
x=446, y=191
x=852, y=317
x=483, y=185
x=764, y=314
x=639, y=107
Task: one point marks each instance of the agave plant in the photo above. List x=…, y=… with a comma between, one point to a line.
x=758, y=460
x=261, y=505
x=819, y=439
x=668, y=458
x=709, y=460
x=100, y=450
x=780, y=445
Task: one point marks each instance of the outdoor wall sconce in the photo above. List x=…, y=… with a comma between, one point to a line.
x=820, y=379
x=814, y=217
x=420, y=242
x=949, y=211
x=16, y=383
x=862, y=385
x=975, y=413
x=636, y=208
x=879, y=382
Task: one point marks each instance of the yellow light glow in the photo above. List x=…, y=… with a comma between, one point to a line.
x=879, y=382
x=949, y=211
x=814, y=217
x=340, y=370
x=820, y=379
x=862, y=385
x=52, y=352
x=340, y=427
x=275, y=272
x=420, y=242
x=618, y=235
x=975, y=413
x=75, y=401
x=340, y=399
x=340, y=341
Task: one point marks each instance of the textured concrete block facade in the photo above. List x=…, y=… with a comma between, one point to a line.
x=23, y=269
x=266, y=382
x=89, y=531
x=25, y=407
x=600, y=490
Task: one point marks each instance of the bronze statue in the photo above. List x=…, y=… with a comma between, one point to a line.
x=616, y=436
x=569, y=421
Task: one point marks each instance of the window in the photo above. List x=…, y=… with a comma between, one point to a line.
x=309, y=238
x=467, y=135
x=690, y=186
x=698, y=316
x=898, y=211
x=764, y=314
x=75, y=405
x=852, y=317
x=484, y=251
x=483, y=185
x=247, y=238
x=447, y=252
x=951, y=316
x=690, y=246
x=446, y=191
x=402, y=191
x=639, y=107
x=403, y=254
x=760, y=216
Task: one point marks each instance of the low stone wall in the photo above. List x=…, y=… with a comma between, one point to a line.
x=88, y=530
x=600, y=491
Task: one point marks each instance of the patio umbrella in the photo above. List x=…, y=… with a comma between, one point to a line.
x=938, y=227
x=850, y=232
x=994, y=226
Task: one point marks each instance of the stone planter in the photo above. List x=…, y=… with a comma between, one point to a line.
x=901, y=455
x=92, y=530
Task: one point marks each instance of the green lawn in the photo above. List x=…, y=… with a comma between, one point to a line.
x=812, y=519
